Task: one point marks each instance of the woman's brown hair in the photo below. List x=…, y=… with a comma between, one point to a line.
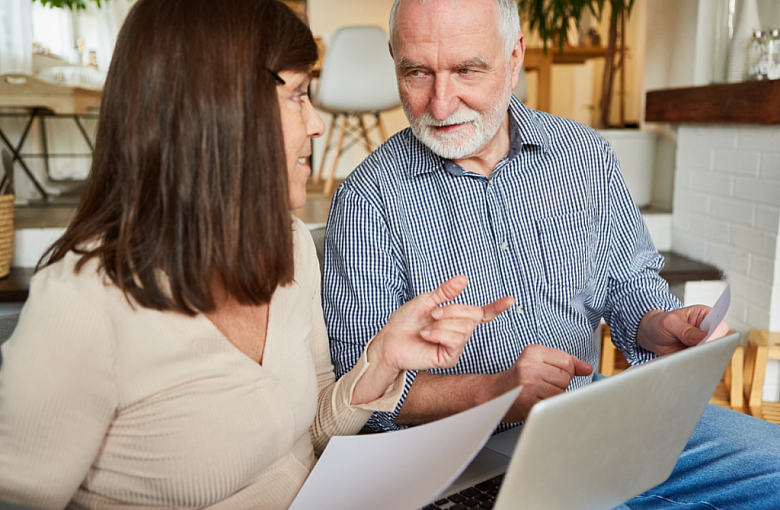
x=188, y=177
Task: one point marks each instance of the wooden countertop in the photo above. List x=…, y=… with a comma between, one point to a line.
x=678, y=269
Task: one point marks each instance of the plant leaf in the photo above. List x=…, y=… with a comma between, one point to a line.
x=70, y=4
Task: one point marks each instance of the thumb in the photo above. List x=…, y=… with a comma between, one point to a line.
x=449, y=290
x=581, y=368
x=692, y=335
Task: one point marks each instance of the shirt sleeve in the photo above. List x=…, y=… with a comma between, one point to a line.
x=57, y=396
x=364, y=283
x=335, y=415
x=635, y=286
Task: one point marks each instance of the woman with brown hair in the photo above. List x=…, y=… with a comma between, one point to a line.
x=172, y=352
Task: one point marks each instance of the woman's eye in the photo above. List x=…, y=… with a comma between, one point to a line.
x=299, y=96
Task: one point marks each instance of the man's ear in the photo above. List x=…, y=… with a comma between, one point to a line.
x=516, y=59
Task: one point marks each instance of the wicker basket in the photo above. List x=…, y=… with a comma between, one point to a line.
x=6, y=234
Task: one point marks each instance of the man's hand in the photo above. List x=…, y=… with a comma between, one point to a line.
x=667, y=332
x=423, y=334
x=544, y=372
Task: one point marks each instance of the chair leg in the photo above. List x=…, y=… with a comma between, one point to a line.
x=757, y=384
x=329, y=182
x=365, y=134
x=750, y=362
x=607, y=352
x=318, y=177
x=734, y=382
x=382, y=130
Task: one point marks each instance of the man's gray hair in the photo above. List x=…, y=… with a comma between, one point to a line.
x=508, y=22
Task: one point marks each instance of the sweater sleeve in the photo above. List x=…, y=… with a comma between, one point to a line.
x=57, y=395
x=335, y=415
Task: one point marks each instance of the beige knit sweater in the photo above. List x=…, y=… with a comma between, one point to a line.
x=105, y=405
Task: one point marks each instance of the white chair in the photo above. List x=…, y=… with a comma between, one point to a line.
x=358, y=78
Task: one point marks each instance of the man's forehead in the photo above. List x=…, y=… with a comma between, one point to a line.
x=447, y=15
x=456, y=33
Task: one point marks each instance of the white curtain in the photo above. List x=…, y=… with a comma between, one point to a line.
x=15, y=36
x=53, y=29
x=107, y=21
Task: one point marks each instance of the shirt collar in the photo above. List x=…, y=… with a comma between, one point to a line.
x=524, y=129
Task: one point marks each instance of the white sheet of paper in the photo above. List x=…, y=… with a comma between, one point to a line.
x=402, y=470
x=710, y=322
x=717, y=313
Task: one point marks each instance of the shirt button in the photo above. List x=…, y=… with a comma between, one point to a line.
x=504, y=245
x=519, y=310
x=490, y=183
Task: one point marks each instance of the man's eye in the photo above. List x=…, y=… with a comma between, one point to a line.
x=466, y=71
x=415, y=72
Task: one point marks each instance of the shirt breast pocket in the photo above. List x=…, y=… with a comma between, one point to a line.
x=566, y=249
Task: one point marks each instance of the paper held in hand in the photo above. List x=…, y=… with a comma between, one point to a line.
x=717, y=313
x=404, y=469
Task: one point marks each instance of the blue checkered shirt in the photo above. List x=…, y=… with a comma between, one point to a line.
x=553, y=226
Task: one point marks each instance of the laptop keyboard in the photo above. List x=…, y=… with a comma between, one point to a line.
x=481, y=496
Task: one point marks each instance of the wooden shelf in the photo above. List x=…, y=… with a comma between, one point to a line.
x=15, y=287
x=750, y=102
x=678, y=269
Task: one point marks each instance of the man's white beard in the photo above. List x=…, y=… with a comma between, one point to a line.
x=479, y=129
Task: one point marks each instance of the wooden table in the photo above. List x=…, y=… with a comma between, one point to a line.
x=38, y=99
x=537, y=60
x=26, y=91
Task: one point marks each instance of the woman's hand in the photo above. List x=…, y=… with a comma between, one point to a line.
x=423, y=334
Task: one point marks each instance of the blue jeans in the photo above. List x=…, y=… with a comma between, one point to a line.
x=732, y=461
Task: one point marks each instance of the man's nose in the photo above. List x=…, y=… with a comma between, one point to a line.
x=445, y=100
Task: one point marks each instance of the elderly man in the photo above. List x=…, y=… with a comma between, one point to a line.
x=526, y=205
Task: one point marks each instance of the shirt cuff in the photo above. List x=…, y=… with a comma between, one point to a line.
x=386, y=403
x=630, y=317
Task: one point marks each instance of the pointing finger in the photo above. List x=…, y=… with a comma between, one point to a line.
x=497, y=307
x=449, y=290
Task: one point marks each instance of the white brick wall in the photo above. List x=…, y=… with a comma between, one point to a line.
x=727, y=213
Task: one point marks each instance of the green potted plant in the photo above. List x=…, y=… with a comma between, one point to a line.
x=70, y=4
x=552, y=19
x=635, y=149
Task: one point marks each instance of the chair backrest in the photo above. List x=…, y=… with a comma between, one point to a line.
x=358, y=74
x=318, y=235
x=7, y=326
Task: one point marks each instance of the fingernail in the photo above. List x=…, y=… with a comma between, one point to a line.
x=436, y=314
x=425, y=332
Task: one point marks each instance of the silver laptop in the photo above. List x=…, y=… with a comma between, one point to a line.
x=601, y=445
